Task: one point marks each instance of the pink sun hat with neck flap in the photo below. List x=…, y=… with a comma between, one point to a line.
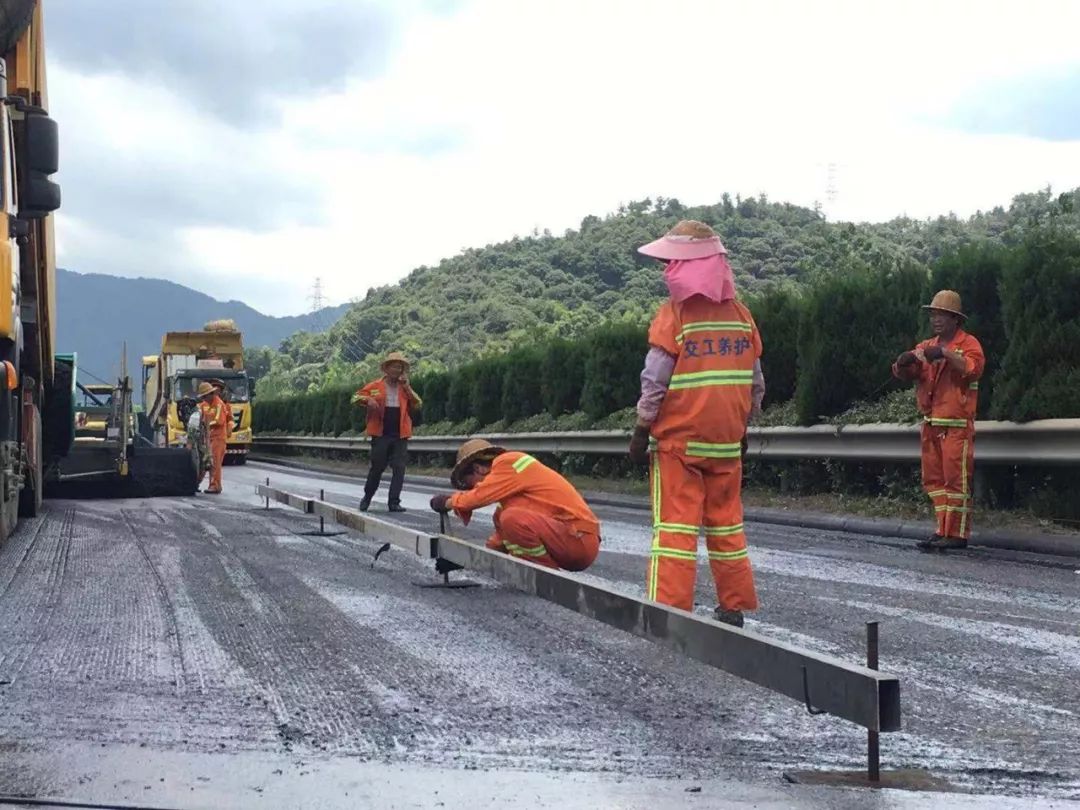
x=688, y=240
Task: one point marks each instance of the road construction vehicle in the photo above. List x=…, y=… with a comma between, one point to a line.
x=214, y=355
x=108, y=457
x=37, y=424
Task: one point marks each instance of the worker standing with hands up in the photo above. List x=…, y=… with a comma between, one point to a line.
x=391, y=406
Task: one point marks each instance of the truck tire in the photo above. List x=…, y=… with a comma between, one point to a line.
x=31, y=493
x=15, y=15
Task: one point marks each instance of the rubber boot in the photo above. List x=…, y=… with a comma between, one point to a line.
x=949, y=543
x=927, y=544
x=365, y=502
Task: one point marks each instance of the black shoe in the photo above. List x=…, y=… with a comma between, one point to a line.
x=732, y=617
x=364, y=504
x=947, y=543
x=396, y=507
x=927, y=544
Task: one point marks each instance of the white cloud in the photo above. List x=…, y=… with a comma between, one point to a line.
x=503, y=117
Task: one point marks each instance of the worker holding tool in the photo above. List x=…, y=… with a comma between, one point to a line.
x=700, y=386
x=391, y=405
x=188, y=411
x=213, y=418
x=541, y=517
x=946, y=371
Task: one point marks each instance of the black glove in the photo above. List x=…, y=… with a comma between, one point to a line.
x=440, y=503
x=906, y=359
x=639, y=445
x=933, y=353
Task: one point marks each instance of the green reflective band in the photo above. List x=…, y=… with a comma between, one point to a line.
x=937, y=493
x=729, y=555
x=526, y=552
x=712, y=326
x=677, y=528
x=523, y=462
x=957, y=496
x=674, y=553
x=973, y=386
x=936, y=422
x=707, y=450
x=723, y=531
x=654, y=562
x=963, y=510
x=702, y=379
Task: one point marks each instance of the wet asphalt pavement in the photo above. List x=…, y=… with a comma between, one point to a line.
x=204, y=652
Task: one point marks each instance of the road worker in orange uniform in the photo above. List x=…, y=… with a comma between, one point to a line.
x=214, y=416
x=701, y=384
x=541, y=517
x=946, y=369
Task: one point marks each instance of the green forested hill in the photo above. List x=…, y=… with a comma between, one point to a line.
x=513, y=294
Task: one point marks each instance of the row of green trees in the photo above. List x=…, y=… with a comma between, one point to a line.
x=828, y=344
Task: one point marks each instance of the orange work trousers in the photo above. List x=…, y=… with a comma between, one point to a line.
x=543, y=540
x=948, y=462
x=688, y=495
x=217, y=457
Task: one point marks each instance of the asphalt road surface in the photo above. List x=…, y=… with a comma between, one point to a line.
x=204, y=652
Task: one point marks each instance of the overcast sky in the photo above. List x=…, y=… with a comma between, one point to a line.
x=246, y=147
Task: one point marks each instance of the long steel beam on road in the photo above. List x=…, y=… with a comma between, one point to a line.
x=856, y=693
x=1046, y=441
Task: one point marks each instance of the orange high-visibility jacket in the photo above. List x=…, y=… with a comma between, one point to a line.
x=707, y=404
x=519, y=480
x=947, y=398
x=376, y=390
x=216, y=416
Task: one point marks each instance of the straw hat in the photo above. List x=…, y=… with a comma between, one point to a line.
x=472, y=450
x=205, y=390
x=947, y=301
x=395, y=357
x=689, y=239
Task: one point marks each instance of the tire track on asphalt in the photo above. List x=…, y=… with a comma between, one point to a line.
x=176, y=646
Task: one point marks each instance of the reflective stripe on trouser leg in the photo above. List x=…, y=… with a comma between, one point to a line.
x=677, y=497
x=933, y=474
x=957, y=458
x=523, y=534
x=729, y=559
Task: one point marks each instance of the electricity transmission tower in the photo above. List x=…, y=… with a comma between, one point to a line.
x=317, y=299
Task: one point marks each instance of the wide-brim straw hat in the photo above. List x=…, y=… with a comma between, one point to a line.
x=472, y=450
x=395, y=357
x=689, y=239
x=205, y=390
x=947, y=301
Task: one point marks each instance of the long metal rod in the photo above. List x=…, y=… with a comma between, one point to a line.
x=873, y=740
x=855, y=693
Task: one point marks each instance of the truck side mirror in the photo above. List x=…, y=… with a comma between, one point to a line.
x=38, y=195
x=251, y=389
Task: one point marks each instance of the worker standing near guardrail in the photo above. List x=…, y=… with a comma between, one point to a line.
x=391, y=405
x=701, y=384
x=541, y=517
x=946, y=369
x=213, y=416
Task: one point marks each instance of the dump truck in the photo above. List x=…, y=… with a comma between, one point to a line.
x=216, y=355
x=37, y=423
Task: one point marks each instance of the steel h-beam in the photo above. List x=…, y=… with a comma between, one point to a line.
x=859, y=694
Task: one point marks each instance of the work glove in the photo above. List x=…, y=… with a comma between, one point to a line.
x=440, y=503
x=906, y=359
x=639, y=445
x=745, y=445
x=933, y=353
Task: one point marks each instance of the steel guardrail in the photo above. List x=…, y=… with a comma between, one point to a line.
x=1045, y=441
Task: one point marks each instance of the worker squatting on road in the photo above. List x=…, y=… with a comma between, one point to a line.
x=391, y=407
x=701, y=384
x=215, y=418
x=541, y=518
x=946, y=369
